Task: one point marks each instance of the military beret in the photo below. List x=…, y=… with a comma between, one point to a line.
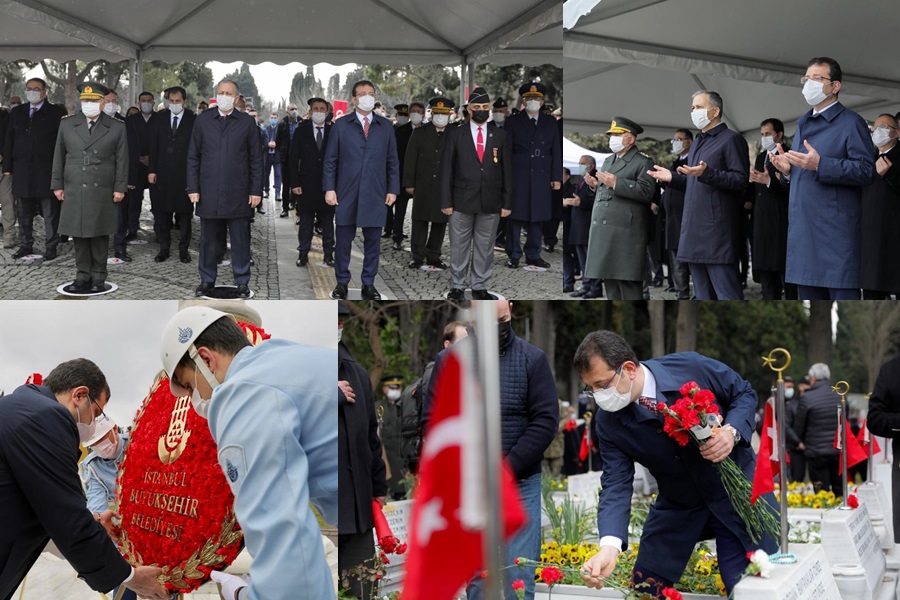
x=500, y=103
x=479, y=96
x=534, y=88
x=622, y=125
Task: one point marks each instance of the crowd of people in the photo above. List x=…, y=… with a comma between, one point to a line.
x=819, y=216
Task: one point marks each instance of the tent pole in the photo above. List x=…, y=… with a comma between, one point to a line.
x=462, y=79
x=132, y=82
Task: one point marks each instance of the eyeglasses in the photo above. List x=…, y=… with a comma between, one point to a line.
x=678, y=140
x=882, y=126
x=92, y=401
x=34, y=89
x=817, y=78
x=590, y=390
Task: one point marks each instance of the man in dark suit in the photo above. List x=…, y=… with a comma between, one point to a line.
x=582, y=203
x=139, y=132
x=40, y=492
x=283, y=137
x=879, y=275
x=307, y=153
x=673, y=206
x=692, y=504
x=396, y=214
x=226, y=142
x=421, y=181
x=90, y=178
x=170, y=137
x=770, y=217
x=361, y=178
x=273, y=157
x=476, y=190
x=28, y=162
x=883, y=419
x=361, y=467
x=537, y=171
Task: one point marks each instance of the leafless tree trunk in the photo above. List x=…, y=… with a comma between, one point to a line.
x=820, y=338
x=544, y=332
x=657, y=310
x=686, y=326
x=873, y=325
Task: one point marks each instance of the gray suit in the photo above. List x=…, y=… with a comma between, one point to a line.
x=89, y=167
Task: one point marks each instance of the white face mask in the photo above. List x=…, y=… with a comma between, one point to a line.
x=416, y=119
x=318, y=117
x=402, y=120
x=13, y=105
x=700, y=118
x=225, y=103
x=33, y=97
x=768, y=143
x=788, y=393
x=814, y=93
x=295, y=114
x=107, y=448
x=881, y=136
x=90, y=109
x=532, y=106
x=616, y=143
x=146, y=107
x=499, y=117
x=610, y=399
x=110, y=108
x=176, y=109
x=340, y=332
x=365, y=103
x=393, y=394
x=677, y=147
x=440, y=120
x=86, y=432
x=201, y=405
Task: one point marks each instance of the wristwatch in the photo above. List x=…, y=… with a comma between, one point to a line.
x=734, y=432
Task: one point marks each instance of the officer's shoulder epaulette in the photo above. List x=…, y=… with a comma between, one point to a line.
x=645, y=155
x=66, y=117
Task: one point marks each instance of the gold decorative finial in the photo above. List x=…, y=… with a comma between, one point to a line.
x=769, y=361
x=841, y=385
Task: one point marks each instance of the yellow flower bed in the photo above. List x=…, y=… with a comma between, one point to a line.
x=802, y=495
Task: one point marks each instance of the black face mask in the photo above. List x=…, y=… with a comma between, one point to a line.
x=480, y=116
x=504, y=330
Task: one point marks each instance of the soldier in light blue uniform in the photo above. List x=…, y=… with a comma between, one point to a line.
x=272, y=411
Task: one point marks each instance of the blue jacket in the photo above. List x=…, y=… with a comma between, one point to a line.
x=710, y=224
x=274, y=420
x=690, y=487
x=536, y=161
x=823, y=247
x=225, y=164
x=98, y=477
x=361, y=171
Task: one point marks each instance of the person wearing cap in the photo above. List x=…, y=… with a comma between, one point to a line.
x=388, y=411
x=90, y=177
x=361, y=177
x=307, y=151
x=396, y=214
x=27, y=165
x=714, y=182
x=275, y=428
x=283, y=137
x=422, y=167
x=620, y=220
x=41, y=497
x=476, y=190
x=360, y=463
x=537, y=170
x=500, y=112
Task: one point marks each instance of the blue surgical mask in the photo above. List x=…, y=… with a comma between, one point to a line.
x=273, y=121
x=582, y=170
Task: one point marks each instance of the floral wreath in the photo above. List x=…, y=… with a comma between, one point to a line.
x=176, y=505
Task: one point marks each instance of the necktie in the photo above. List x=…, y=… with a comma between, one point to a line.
x=319, y=138
x=31, y=112
x=366, y=127
x=223, y=117
x=534, y=122
x=479, y=146
x=649, y=404
x=174, y=126
x=90, y=127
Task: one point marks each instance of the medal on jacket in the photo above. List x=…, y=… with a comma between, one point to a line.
x=495, y=155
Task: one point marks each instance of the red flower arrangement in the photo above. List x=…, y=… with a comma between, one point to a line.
x=672, y=594
x=175, y=502
x=388, y=543
x=852, y=501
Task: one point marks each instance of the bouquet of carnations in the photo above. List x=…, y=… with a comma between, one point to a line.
x=695, y=415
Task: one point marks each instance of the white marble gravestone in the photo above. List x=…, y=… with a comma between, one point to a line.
x=848, y=537
x=809, y=578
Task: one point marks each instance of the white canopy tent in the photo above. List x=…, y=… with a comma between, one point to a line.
x=572, y=152
x=464, y=32
x=643, y=59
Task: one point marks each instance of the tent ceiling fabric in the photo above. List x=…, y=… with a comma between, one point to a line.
x=284, y=31
x=644, y=58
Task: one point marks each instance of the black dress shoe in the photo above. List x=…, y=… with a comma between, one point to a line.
x=405, y=237
x=456, y=294
x=549, y=248
x=78, y=287
x=482, y=295
x=582, y=291
x=162, y=256
x=370, y=293
x=243, y=291
x=318, y=230
x=329, y=260
x=265, y=194
x=512, y=263
x=22, y=252
x=204, y=289
x=340, y=292
x=260, y=209
x=538, y=262
x=50, y=254
x=302, y=261
x=385, y=235
x=63, y=239
x=284, y=214
x=397, y=246
x=593, y=294
x=568, y=288
x=131, y=236
x=184, y=257
x=437, y=264
x=414, y=264
x=96, y=288
x=277, y=198
x=123, y=256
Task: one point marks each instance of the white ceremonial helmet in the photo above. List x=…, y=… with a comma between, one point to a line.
x=104, y=426
x=178, y=339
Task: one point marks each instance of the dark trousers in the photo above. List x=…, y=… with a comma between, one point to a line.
x=823, y=473
x=427, y=239
x=876, y=295
x=343, y=242
x=570, y=260
x=729, y=550
x=532, y=241
x=355, y=549
x=212, y=241
x=586, y=282
x=807, y=292
x=396, y=216
x=681, y=276
x=550, y=229
x=620, y=289
x=165, y=230
x=90, y=259
x=27, y=209
x=272, y=162
x=773, y=286
x=130, y=218
x=305, y=231
x=501, y=232
x=798, y=465
x=716, y=282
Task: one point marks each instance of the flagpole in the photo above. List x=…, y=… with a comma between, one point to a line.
x=769, y=361
x=489, y=367
x=587, y=424
x=870, y=475
x=842, y=388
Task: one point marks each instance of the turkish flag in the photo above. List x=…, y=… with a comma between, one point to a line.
x=767, y=460
x=340, y=108
x=449, y=514
x=865, y=438
x=855, y=452
x=586, y=443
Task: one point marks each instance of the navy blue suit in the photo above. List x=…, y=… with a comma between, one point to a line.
x=692, y=502
x=362, y=172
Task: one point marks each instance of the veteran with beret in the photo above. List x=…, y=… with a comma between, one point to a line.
x=617, y=243
x=90, y=176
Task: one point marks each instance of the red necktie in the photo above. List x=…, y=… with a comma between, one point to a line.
x=479, y=146
x=649, y=404
x=366, y=127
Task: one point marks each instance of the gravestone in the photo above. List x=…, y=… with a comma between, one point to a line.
x=880, y=509
x=848, y=537
x=809, y=578
x=398, y=515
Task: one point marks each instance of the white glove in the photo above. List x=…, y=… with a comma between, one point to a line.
x=230, y=584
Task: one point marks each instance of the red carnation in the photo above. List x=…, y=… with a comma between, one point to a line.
x=689, y=388
x=852, y=501
x=571, y=425
x=518, y=584
x=661, y=406
x=672, y=594
x=386, y=540
x=551, y=575
x=704, y=397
